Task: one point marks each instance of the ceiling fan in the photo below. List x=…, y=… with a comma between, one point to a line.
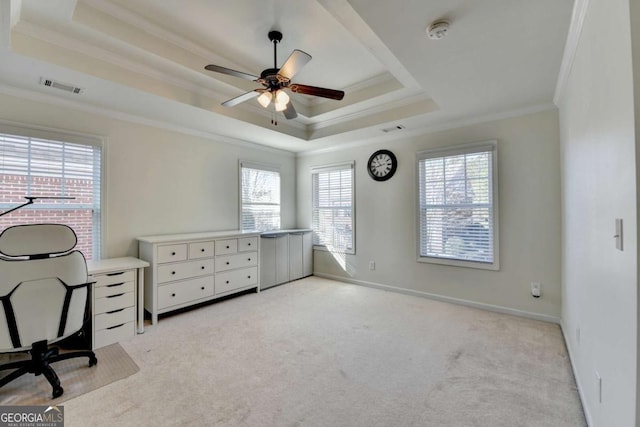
x=275, y=80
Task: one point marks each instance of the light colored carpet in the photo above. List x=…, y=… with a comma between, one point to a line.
x=317, y=352
x=76, y=378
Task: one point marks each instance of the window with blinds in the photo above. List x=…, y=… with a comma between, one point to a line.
x=333, y=207
x=37, y=167
x=260, y=197
x=458, y=206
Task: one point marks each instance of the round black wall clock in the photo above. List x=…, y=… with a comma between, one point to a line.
x=382, y=165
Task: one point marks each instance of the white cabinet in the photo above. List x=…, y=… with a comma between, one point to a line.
x=300, y=254
x=116, y=296
x=285, y=255
x=187, y=269
x=274, y=250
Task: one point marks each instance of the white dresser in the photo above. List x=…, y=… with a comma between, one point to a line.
x=187, y=269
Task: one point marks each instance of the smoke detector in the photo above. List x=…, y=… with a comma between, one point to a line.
x=438, y=29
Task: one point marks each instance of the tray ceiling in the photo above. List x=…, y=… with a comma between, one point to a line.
x=146, y=58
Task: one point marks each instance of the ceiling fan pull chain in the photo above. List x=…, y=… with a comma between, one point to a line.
x=273, y=119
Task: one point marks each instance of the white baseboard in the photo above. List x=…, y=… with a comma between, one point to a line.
x=483, y=306
x=587, y=415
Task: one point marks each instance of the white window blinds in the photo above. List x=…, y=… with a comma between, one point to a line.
x=46, y=168
x=333, y=207
x=456, y=204
x=260, y=198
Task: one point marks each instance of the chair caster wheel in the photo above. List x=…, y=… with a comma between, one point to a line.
x=57, y=392
x=93, y=361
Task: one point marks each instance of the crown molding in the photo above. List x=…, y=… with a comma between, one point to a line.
x=380, y=107
x=428, y=129
x=132, y=118
x=578, y=17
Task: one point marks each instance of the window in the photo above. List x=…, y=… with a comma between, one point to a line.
x=458, y=206
x=260, y=197
x=333, y=210
x=38, y=167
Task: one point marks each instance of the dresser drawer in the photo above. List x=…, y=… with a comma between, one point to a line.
x=113, y=278
x=171, y=253
x=248, y=244
x=226, y=247
x=185, y=291
x=113, y=289
x=230, y=262
x=114, y=302
x=236, y=279
x=184, y=270
x=113, y=334
x=201, y=250
x=114, y=318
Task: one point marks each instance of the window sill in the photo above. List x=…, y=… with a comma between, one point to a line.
x=326, y=249
x=495, y=266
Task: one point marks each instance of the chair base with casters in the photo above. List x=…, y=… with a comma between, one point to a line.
x=45, y=298
x=41, y=358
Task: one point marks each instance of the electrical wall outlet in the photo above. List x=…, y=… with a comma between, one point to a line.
x=372, y=265
x=536, y=289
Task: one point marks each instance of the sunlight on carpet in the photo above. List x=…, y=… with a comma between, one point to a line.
x=75, y=376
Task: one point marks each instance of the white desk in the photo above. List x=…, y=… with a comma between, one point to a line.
x=121, y=264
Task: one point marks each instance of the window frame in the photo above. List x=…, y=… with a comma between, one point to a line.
x=446, y=151
x=96, y=141
x=350, y=165
x=257, y=166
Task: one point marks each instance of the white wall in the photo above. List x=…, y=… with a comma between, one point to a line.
x=598, y=155
x=529, y=186
x=160, y=181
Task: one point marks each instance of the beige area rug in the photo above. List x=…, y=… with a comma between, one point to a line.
x=75, y=376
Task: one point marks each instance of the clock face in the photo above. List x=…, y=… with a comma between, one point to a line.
x=382, y=165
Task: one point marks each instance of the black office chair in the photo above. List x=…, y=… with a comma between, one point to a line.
x=45, y=298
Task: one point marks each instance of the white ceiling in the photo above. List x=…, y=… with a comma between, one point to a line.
x=144, y=60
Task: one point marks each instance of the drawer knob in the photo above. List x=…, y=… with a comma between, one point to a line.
x=202, y=268
x=248, y=259
x=227, y=246
x=173, y=253
x=173, y=295
x=248, y=277
x=173, y=272
x=202, y=288
x=227, y=262
x=227, y=282
x=202, y=250
x=249, y=244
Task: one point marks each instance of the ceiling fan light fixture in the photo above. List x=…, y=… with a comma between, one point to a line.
x=265, y=99
x=281, y=101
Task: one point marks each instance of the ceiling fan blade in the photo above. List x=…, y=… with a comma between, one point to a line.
x=294, y=63
x=317, y=91
x=230, y=72
x=242, y=98
x=290, y=111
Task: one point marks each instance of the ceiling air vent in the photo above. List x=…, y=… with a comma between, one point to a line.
x=393, y=129
x=62, y=86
